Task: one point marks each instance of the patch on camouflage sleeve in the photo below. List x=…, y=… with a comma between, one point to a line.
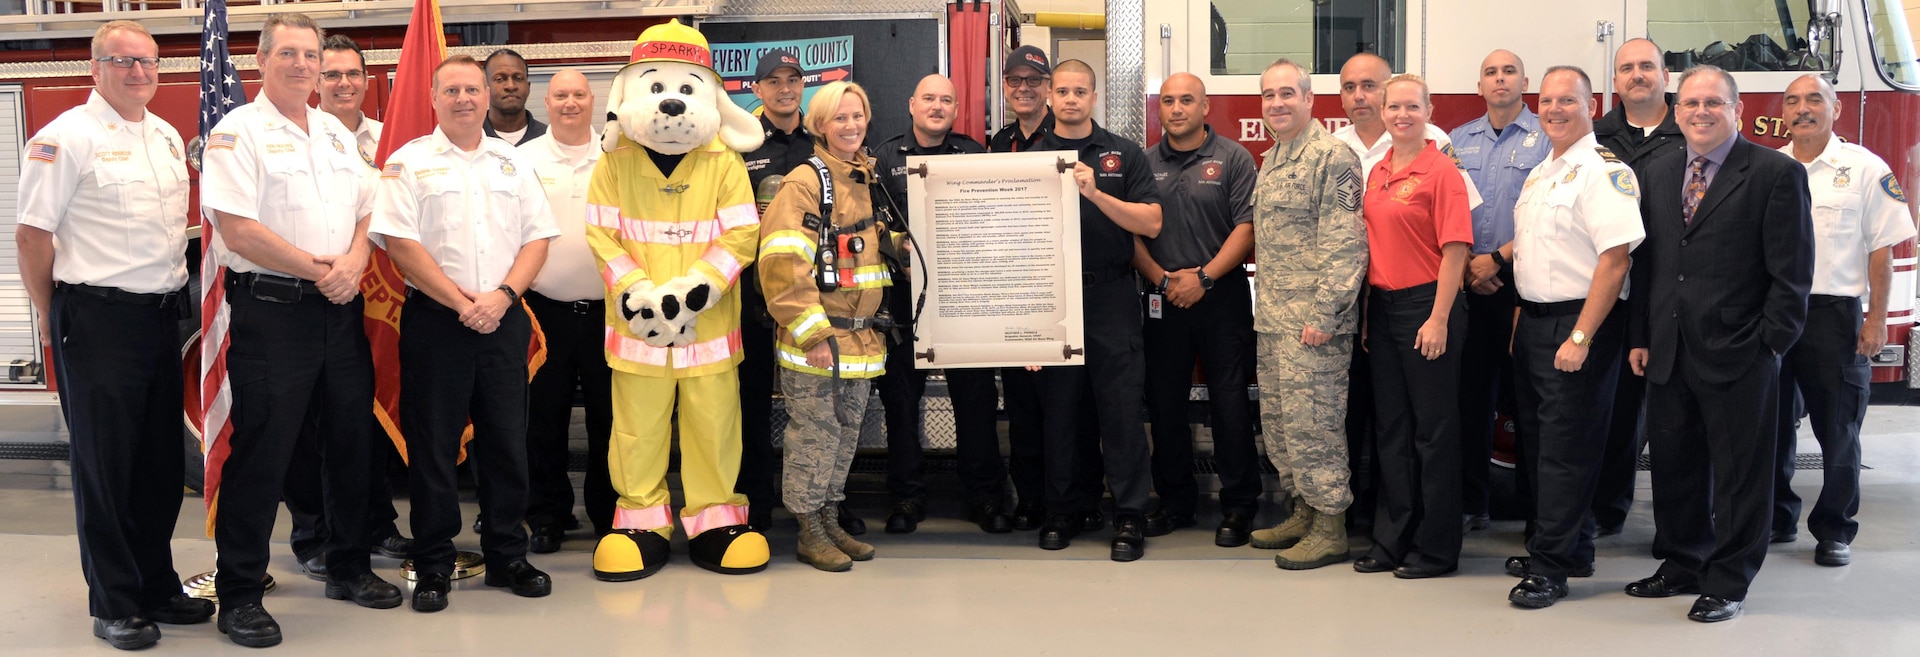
x=1623, y=183
x=1346, y=190
x=1892, y=188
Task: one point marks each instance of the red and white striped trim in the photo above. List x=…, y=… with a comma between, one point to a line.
x=713, y=517
x=739, y=216
x=618, y=268
x=633, y=350
x=647, y=519
x=604, y=216
x=724, y=261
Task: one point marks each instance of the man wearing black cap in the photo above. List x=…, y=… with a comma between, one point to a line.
x=778, y=83
x=1026, y=81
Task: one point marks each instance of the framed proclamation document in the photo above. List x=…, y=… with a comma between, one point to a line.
x=999, y=235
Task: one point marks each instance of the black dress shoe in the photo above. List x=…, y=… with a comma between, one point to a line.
x=545, y=539
x=1661, y=586
x=1028, y=517
x=1162, y=522
x=315, y=567
x=1537, y=592
x=1520, y=567
x=525, y=580
x=249, y=625
x=850, y=523
x=1410, y=571
x=1784, y=537
x=479, y=524
x=130, y=633
x=1129, y=539
x=1713, y=609
x=394, y=547
x=991, y=518
x=1613, y=529
x=1093, y=521
x=430, y=592
x=1833, y=553
x=182, y=609
x=905, y=517
x=1235, y=529
x=1371, y=565
x=1059, y=532
x=366, y=590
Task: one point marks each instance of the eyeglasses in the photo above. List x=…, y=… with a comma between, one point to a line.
x=1034, y=82
x=334, y=76
x=1711, y=104
x=127, y=62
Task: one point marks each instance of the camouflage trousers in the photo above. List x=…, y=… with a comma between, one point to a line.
x=823, y=429
x=1303, y=414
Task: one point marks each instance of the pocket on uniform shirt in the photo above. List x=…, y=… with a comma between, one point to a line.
x=286, y=176
x=1560, y=202
x=1837, y=226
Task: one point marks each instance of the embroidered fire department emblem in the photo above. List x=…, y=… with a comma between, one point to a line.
x=1210, y=172
x=1110, y=163
x=337, y=146
x=173, y=148
x=1404, y=193
x=1843, y=177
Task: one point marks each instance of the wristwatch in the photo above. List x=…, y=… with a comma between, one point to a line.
x=513, y=296
x=1206, y=282
x=1165, y=280
x=1500, y=259
x=1579, y=338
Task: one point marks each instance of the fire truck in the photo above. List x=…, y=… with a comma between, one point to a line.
x=1867, y=48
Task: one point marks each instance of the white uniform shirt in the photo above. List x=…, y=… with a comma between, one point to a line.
x=310, y=188
x=114, y=195
x=1571, y=210
x=1372, y=154
x=471, y=211
x=368, y=137
x=565, y=171
x=1858, y=208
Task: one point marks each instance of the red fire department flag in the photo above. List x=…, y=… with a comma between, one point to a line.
x=409, y=115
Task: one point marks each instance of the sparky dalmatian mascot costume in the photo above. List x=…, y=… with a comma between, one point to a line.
x=671, y=219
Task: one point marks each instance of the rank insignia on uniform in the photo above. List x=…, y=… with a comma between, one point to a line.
x=392, y=171
x=337, y=146
x=1571, y=174
x=1607, y=154
x=1892, y=188
x=1110, y=163
x=225, y=140
x=1347, y=190
x=1623, y=183
x=43, y=152
x=1843, y=177
x=1532, y=138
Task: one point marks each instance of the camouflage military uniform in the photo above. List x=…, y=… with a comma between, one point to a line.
x=1312, y=252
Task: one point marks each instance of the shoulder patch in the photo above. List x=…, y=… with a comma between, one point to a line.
x=1607, y=155
x=1347, y=189
x=1623, y=182
x=225, y=140
x=1447, y=148
x=43, y=152
x=1892, y=188
x=392, y=170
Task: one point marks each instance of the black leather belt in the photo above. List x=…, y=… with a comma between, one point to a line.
x=1826, y=299
x=1092, y=277
x=159, y=299
x=1554, y=309
x=852, y=323
x=587, y=307
x=1421, y=292
x=247, y=279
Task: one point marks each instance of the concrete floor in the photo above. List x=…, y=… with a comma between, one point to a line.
x=951, y=590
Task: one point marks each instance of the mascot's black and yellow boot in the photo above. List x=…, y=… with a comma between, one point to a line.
x=624, y=555
x=729, y=550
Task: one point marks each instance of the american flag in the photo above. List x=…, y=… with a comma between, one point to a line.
x=43, y=152
x=220, y=92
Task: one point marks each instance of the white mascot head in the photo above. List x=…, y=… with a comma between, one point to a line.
x=669, y=100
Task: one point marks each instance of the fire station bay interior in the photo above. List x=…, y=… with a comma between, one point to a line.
x=947, y=587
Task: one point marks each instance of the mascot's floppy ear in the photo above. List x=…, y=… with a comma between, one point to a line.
x=739, y=129
x=610, y=133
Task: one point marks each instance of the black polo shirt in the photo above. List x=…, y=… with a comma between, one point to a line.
x=1009, y=140
x=1120, y=169
x=1204, y=194
x=891, y=161
x=1633, y=146
x=777, y=156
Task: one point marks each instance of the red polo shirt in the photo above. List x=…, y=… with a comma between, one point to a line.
x=1410, y=214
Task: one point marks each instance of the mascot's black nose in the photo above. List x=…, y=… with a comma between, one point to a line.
x=672, y=107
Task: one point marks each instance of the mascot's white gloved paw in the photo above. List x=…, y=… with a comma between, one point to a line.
x=641, y=306
x=684, y=298
x=685, y=338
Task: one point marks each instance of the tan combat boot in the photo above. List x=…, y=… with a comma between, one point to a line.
x=842, y=540
x=816, y=549
x=1325, y=544
x=1289, y=531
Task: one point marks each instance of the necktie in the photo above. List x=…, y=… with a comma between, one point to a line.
x=1696, y=190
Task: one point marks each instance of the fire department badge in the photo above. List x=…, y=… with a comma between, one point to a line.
x=1110, y=162
x=173, y=148
x=1892, y=188
x=1623, y=183
x=337, y=146
x=1404, y=193
x=1210, y=172
x=1843, y=177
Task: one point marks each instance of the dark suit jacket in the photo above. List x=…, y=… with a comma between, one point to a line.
x=1732, y=285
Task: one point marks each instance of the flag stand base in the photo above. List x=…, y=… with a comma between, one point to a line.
x=201, y=586
x=465, y=564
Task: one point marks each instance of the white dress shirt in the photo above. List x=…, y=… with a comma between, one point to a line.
x=1572, y=209
x=310, y=188
x=565, y=171
x=472, y=211
x=1858, y=208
